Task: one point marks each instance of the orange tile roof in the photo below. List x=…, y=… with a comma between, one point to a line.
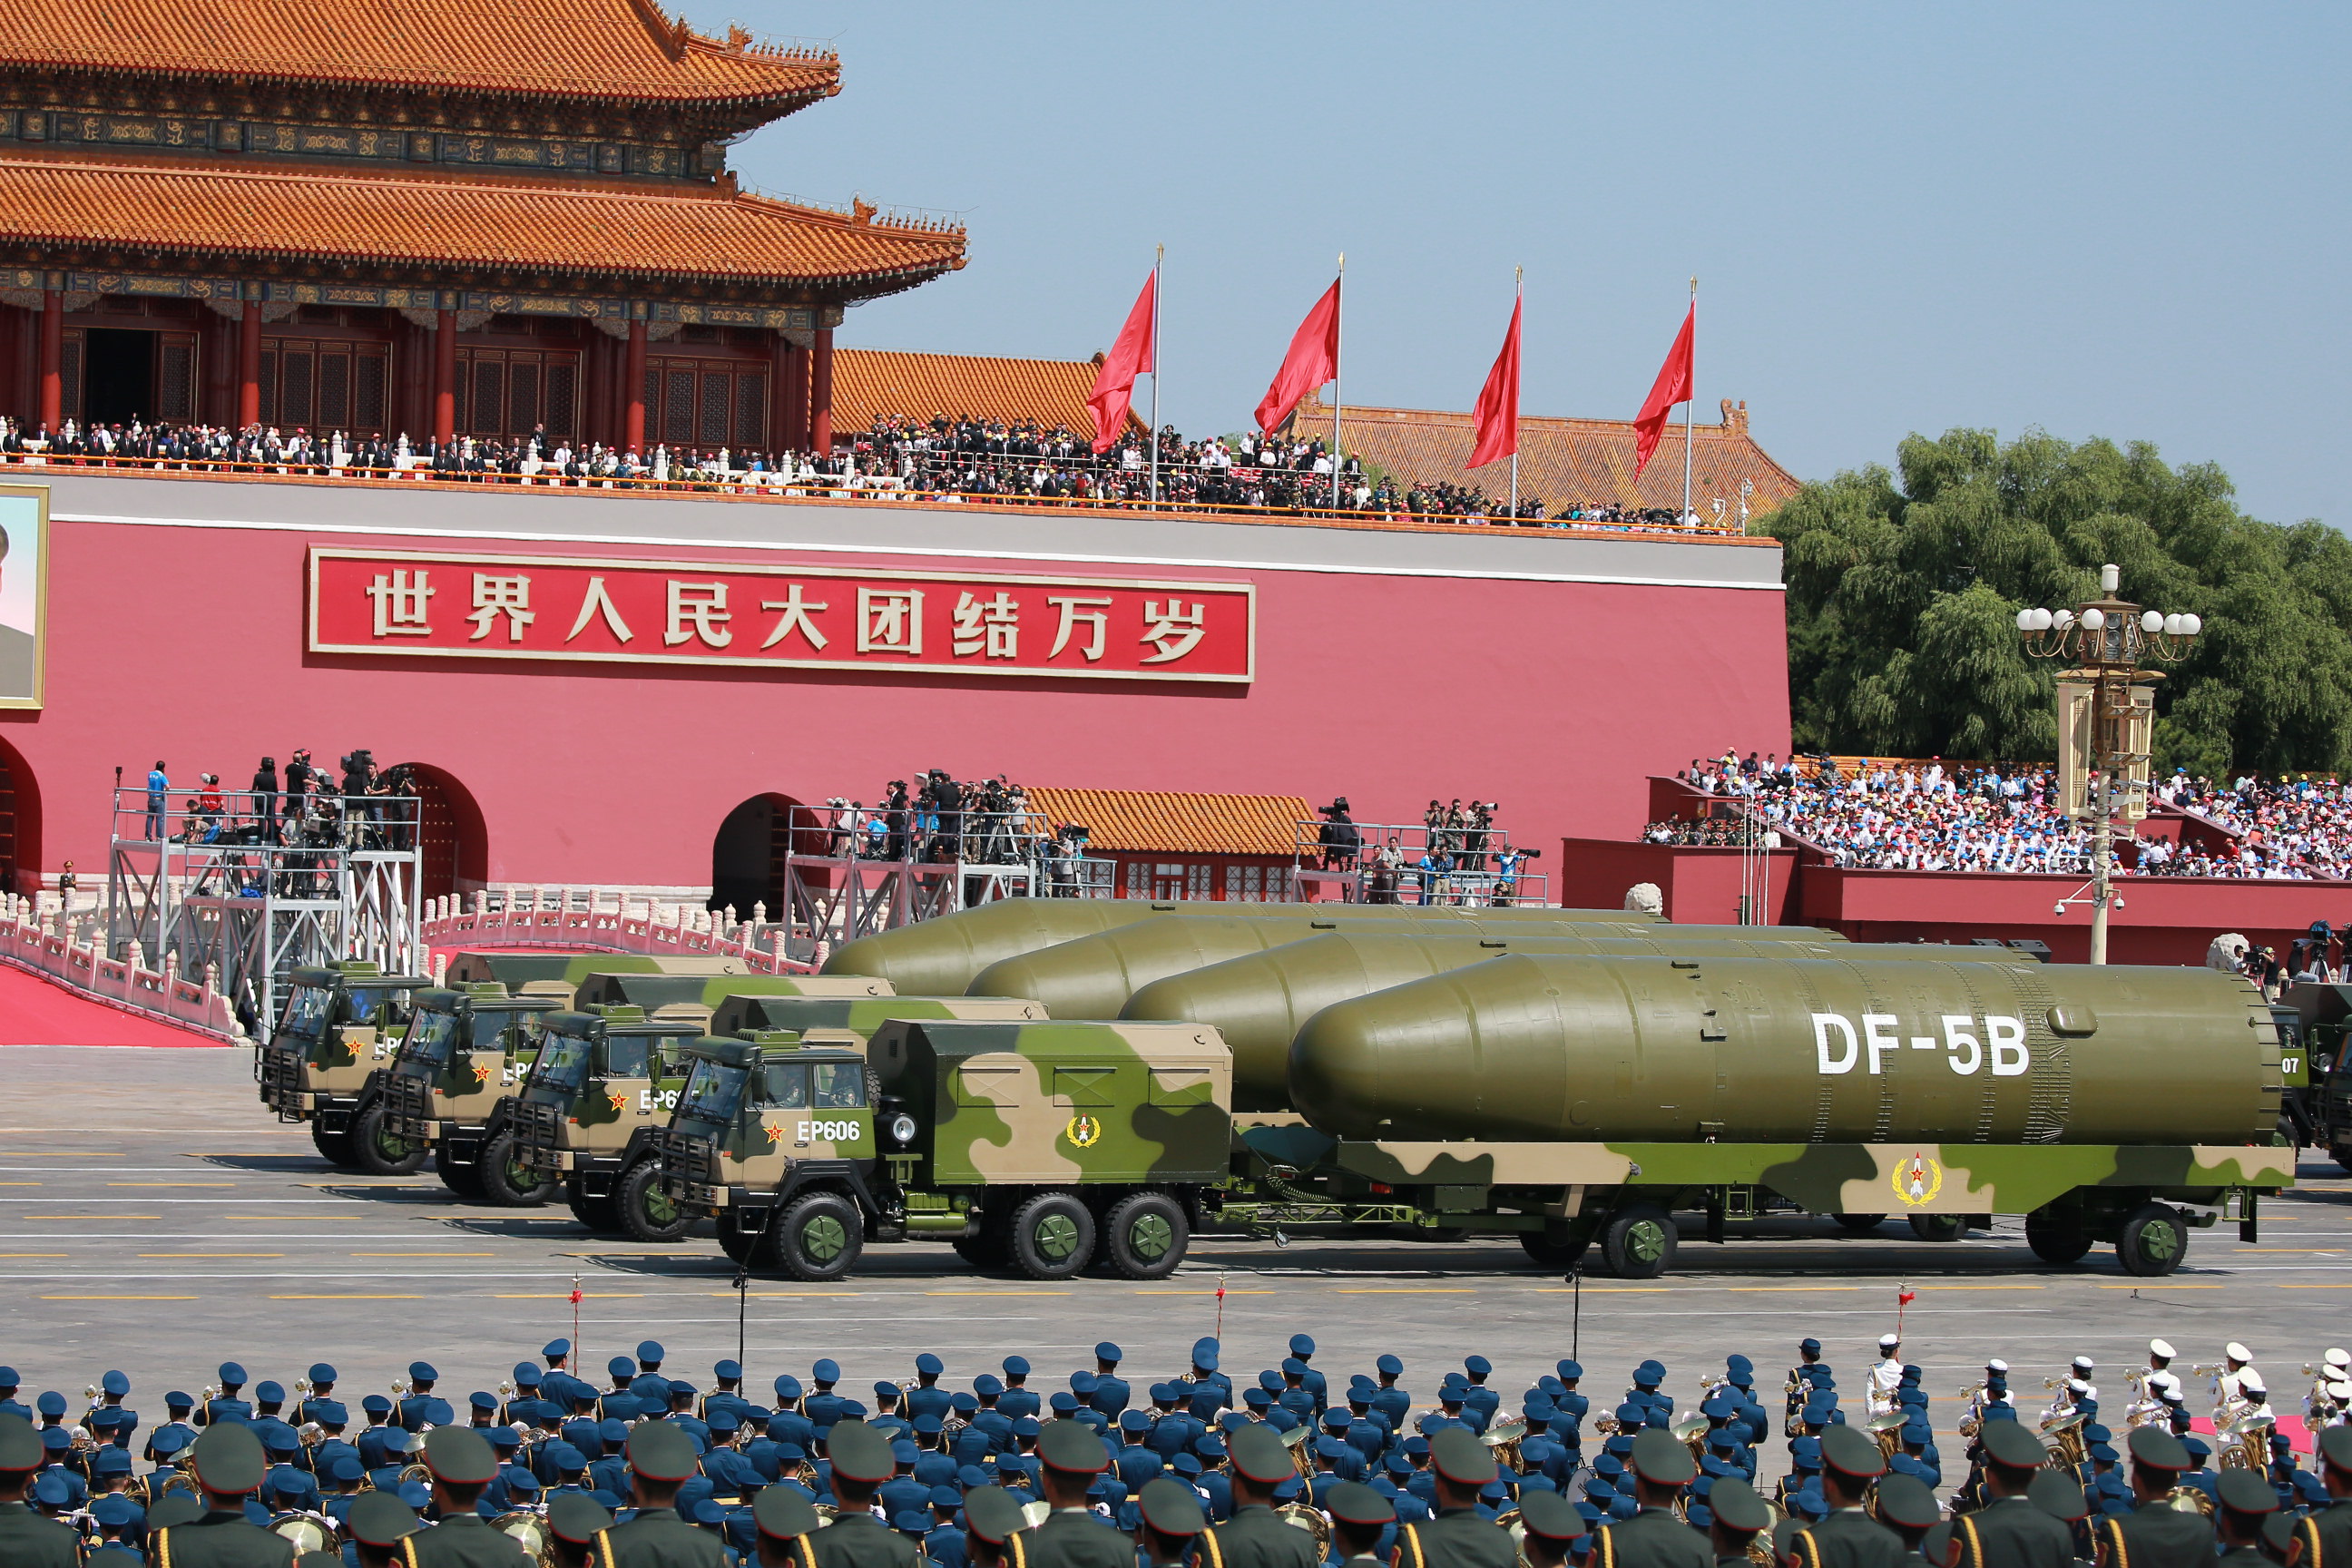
x=607, y=48
x=201, y=211
x=1562, y=460
x=871, y=383
x=1175, y=822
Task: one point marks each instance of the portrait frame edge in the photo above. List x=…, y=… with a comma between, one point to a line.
x=38, y=494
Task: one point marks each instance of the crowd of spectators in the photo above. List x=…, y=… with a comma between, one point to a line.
x=302, y=812
x=938, y=459
x=1934, y=816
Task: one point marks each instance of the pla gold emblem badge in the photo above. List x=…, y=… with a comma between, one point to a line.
x=775, y=1131
x=1918, y=1179
x=1084, y=1131
x=620, y=1102
x=482, y=1074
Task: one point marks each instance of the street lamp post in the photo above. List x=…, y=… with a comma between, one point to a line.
x=2106, y=638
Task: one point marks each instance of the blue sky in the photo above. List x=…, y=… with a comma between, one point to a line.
x=2098, y=220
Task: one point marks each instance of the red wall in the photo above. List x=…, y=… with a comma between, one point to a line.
x=1559, y=700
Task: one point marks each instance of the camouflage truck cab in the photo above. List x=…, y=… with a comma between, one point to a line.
x=2318, y=1069
x=602, y=1084
x=693, y=998
x=326, y=1061
x=466, y=1055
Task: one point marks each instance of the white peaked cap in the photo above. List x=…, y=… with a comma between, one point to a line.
x=2237, y=1351
x=2163, y=1347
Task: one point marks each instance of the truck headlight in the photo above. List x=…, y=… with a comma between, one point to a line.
x=902, y=1128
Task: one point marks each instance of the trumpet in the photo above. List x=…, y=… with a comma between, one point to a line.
x=1712, y=1381
x=98, y=1400
x=506, y=1389
x=2059, y=1382
x=1969, y=1393
x=302, y=1387
x=400, y=1386
x=212, y=1392
x=2209, y=1368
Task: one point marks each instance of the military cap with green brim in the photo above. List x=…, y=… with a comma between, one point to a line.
x=1735, y=1503
x=1661, y=1458
x=175, y=1508
x=320, y=1560
x=381, y=1518
x=2011, y=1447
x=577, y=1517
x=2243, y=1491
x=1460, y=1457
x=661, y=1452
x=2058, y=1494
x=1258, y=1454
x=1352, y=1502
x=783, y=1513
x=461, y=1455
x=2154, y=1448
x=228, y=1461
x=1071, y=1447
x=20, y=1446
x=1846, y=1451
x=2336, y=1447
x=861, y=1454
x=992, y=1513
x=1545, y=1514
x=1170, y=1508
x=1903, y=1500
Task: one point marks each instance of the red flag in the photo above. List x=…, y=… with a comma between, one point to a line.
x=1129, y=357
x=1313, y=359
x=1497, y=416
x=1673, y=386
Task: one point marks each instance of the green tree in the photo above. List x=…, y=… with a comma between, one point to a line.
x=1904, y=588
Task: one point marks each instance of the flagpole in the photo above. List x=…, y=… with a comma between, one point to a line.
x=1690, y=411
x=1338, y=342
x=1158, y=262
x=1518, y=297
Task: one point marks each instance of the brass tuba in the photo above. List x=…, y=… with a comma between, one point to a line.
x=1301, y=1517
x=1296, y=1441
x=2246, y=1442
x=1504, y=1438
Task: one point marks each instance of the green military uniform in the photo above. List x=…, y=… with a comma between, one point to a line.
x=1257, y=1537
x=862, y=1541
x=656, y=1538
x=1072, y=1537
x=27, y=1539
x=462, y=1541
x=1848, y=1538
x=1653, y=1538
x=220, y=1540
x=2156, y=1536
x=2010, y=1532
x=1456, y=1538
x=2326, y=1536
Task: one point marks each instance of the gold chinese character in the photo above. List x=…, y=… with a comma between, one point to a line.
x=597, y=601
x=1072, y=615
x=793, y=614
x=401, y=604
x=705, y=605
x=1175, y=631
x=890, y=620
x=494, y=596
x=994, y=624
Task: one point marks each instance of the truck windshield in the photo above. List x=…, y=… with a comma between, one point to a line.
x=427, y=1045
x=368, y=1001
x=712, y=1091
x=562, y=1065
x=625, y=1056
x=306, y=1011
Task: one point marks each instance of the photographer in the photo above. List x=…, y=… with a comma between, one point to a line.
x=1337, y=837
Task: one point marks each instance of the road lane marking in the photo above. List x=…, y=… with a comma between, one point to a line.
x=1408, y=1290
x=120, y=1297
x=347, y=1297
x=200, y=1256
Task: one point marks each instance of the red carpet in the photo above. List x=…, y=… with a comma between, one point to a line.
x=33, y=1011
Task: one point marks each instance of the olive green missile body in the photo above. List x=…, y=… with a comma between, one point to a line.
x=1259, y=1002
x=1797, y=1051
x=942, y=957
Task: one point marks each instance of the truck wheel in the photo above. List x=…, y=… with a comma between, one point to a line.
x=466, y=1180
x=733, y=1240
x=1551, y=1251
x=1144, y=1236
x=817, y=1237
x=505, y=1181
x=2152, y=1240
x=378, y=1151
x=1938, y=1227
x=1053, y=1236
x=335, y=1146
x=985, y=1248
x=2055, y=1241
x=647, y=1212
x=1859, y=1223
x=597, y=1213
x=2339, y=1152
x=1639, y=1244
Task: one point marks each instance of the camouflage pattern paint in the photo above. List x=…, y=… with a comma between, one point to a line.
x=860, y=1016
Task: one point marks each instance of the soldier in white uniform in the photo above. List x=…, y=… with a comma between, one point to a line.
x=1885, y=1375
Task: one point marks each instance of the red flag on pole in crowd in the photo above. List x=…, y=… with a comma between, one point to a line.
x=1497, y=416
x=1313, y=359
x=1673, y=386
x=1129, y=356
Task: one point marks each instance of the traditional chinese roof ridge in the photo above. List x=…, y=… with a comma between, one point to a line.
x=1562, y=461
x=880, y=383
x=1178, y=822
x=549, y=48
x=199, y=212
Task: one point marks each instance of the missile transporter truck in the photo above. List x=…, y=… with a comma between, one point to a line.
x=326, y=1061
x=2319, y=1072
x=467, y=1050
x=738, y=1016
x=692, y=997
x=603, y=1082
x=560, y=973
x=1039, y=1146
x=1583, y=1100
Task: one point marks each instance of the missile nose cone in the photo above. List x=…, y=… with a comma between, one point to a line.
x=1335, y=1071
x=1244, y=999
x=1070, y=986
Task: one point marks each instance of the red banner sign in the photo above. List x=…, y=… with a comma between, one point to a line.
x=409, y=604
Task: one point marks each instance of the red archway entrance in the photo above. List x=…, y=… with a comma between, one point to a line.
x=456, y=849
x=20, y=824
x=746, y=853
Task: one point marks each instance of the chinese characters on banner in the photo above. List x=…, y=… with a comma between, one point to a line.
x=527, y=606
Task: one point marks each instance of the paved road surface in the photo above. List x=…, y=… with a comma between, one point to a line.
x=154, y=1218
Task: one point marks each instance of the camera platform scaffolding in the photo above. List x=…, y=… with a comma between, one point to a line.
x=842, y=881
x=251, y=894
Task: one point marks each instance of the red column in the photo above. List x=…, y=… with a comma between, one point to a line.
x=53, y=358
x=248, y=365
x=633, y=389
x=445, y=375
x=780, y=400
x=795, y=398
x=821, y=394
x=592, y=384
